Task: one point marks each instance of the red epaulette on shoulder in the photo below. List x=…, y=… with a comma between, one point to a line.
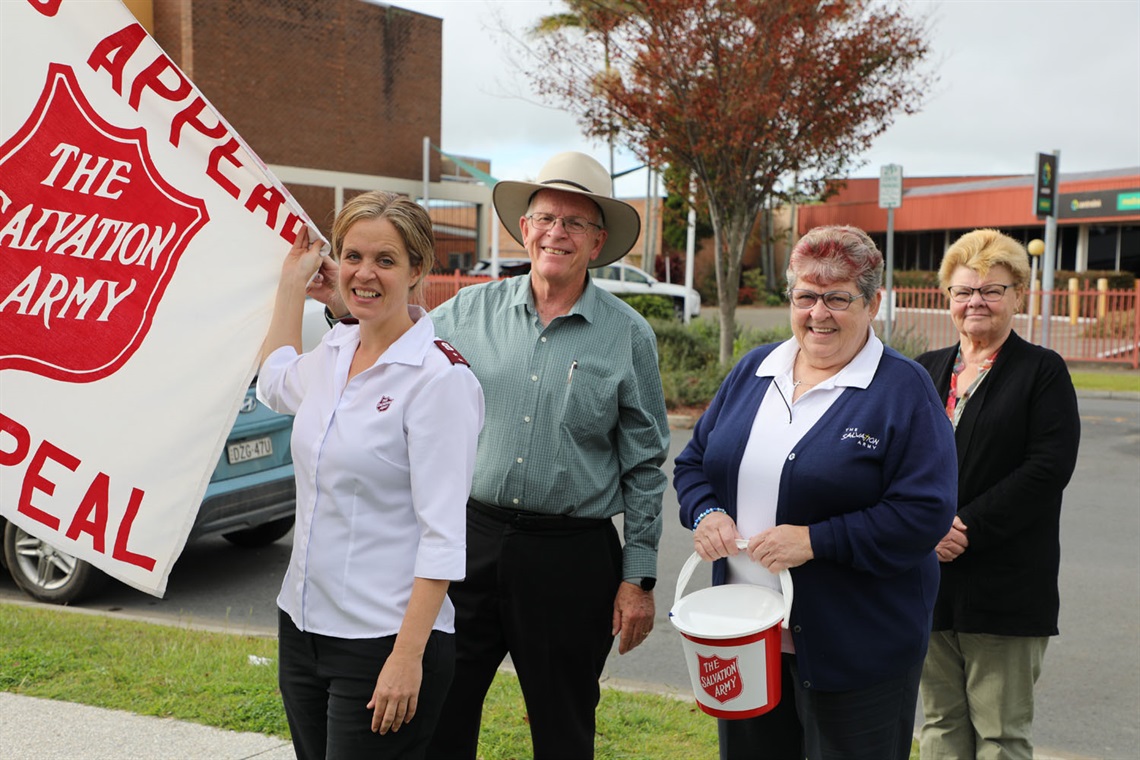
x=449, y=351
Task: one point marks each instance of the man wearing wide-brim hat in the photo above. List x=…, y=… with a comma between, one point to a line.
x=575, y=433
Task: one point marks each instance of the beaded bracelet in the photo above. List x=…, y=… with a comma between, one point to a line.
x=705, y=514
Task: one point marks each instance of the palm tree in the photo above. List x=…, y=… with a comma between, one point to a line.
x=592, y=17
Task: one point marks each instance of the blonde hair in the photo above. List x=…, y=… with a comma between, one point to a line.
x=408, y=217
x=981, y=251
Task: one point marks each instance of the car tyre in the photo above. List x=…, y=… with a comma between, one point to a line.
x=262, y=535
x=45, y=573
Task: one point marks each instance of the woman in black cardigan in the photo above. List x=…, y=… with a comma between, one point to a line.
x=1017, y=429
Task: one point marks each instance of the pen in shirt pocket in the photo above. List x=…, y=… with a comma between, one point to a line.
x=573, y=366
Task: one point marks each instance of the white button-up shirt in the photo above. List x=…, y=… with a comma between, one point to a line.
x=383, y=465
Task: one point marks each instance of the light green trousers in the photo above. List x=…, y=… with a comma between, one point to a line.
x=977, y=696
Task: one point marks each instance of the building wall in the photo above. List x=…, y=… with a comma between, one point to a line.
x=339, y=85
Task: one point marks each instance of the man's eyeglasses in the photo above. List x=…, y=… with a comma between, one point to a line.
x=574, y=225
x=962, y=294
x=834, y=300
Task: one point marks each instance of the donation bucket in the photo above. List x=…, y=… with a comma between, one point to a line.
x=731, y=638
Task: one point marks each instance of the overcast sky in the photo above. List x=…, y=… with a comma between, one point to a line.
x=1017, y=77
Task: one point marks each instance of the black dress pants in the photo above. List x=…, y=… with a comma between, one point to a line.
x=542, y=589
x=327, y=682
x=872, y=723
x=775, y=735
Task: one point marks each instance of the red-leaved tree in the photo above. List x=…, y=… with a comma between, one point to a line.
x=742, y=94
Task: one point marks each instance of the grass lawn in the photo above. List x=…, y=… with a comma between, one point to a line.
x=213, y=679
x=1106, y=380
x=210, y=678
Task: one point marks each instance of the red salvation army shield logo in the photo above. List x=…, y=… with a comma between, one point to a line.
x=720, y=677
x=90, y=235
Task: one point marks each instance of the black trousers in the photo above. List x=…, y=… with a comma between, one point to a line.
x=873, y=723
x=775, y=735
x=541, y=589
x=327, y=682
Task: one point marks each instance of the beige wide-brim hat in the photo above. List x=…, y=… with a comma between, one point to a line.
x=573, y=172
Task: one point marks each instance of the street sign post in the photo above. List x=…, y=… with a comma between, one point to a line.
x=1044, y=204
x=890, y=186
x=890, y=198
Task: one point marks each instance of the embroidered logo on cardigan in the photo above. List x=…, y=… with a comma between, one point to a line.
x=862, y=439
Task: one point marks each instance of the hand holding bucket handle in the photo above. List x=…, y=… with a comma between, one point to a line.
x=691, y=565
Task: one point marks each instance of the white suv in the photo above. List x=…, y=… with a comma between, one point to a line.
x=626, y=279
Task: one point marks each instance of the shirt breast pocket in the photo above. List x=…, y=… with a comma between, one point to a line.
x=590, y=405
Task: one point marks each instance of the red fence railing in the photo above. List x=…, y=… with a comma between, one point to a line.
x=440, y=287
x=1086, y=325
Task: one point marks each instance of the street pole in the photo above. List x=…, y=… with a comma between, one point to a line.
x=1035, y=248
x=890, y=198
x=890, y=275
x=1049, y=265
x=690, y=242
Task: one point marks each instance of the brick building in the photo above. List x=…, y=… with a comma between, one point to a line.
x=337, y=96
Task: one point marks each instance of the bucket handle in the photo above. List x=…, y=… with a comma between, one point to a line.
x=691, y=565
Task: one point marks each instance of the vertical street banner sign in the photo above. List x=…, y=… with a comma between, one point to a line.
x=1045, y=186
x=140, y=245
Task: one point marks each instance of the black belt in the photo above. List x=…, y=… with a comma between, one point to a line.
x=521, y=518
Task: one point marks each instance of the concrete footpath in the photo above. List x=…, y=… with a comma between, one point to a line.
x=47, y=729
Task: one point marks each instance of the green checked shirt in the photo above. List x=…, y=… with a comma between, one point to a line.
x=575, y=416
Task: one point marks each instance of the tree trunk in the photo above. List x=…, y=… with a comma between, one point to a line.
x=730, y=235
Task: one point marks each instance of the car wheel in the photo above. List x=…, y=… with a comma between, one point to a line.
x=45, y=573
x=262, y=535
x=679, y=309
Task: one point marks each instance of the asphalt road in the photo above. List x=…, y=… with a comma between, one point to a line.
x=1089, y=692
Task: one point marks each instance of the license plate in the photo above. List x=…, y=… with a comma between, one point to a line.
x=255, y=448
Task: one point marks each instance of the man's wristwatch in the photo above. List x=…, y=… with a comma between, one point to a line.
x=647, y=584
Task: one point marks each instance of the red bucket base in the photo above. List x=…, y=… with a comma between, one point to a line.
x=745, y=670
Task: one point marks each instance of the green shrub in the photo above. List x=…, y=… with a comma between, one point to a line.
x=688, y=357
x=685, y=348
x=908, y=341
x=649, y=306
x=691, y=388
x=914, y=278
x=1116, y=280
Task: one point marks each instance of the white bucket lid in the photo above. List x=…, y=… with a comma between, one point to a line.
x=729, y=611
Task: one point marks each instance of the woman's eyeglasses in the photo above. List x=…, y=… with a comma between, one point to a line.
x=574, y=225
x=991, y=293
x=834, y=300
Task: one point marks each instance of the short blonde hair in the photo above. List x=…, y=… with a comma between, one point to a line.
x=408, y=217
x=981, y=251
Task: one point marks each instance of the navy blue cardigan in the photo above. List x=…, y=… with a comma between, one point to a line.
x=876, y=481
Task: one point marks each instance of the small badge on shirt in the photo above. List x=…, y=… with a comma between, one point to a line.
x=449, y=351
x=383, y=404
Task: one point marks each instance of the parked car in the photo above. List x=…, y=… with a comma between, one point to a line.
x=250, y=499
x=507, y=267
x=625, y=279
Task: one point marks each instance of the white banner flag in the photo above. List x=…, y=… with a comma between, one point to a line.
x=140, y=246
